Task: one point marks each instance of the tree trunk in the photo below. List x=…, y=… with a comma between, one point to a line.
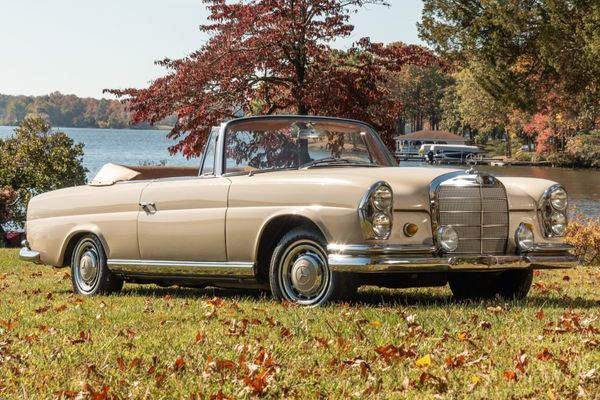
x=301, y=109
x=508, y=150
x=401, y=125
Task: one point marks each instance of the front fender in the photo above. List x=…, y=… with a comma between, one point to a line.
x=246, y=225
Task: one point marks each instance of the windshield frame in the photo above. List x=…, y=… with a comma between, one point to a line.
x=374, y=136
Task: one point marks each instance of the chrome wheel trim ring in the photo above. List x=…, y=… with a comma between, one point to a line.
x=87, y=266
x=304, y=274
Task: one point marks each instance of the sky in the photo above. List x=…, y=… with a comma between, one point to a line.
x=82, y=46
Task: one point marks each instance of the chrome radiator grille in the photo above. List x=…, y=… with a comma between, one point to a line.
x=477, y=208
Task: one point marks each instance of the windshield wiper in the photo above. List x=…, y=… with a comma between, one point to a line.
x=335, y=160
x=265, y=170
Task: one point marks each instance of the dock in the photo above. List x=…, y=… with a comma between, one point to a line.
x=497, y=162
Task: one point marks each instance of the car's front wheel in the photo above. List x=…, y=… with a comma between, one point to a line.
x=484, y=285
x=89, y=272
x=300, y=273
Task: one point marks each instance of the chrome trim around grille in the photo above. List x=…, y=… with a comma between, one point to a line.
x=186, y=268
x=481, y=217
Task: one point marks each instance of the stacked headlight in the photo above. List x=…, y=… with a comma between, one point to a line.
x=376, y=212
x=553, y=207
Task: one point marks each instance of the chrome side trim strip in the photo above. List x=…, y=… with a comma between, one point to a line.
x=367, y=249
x=185, y=268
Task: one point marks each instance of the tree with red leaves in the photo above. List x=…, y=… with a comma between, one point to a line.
x=274, y=56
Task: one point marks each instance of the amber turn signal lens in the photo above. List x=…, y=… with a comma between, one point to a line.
x=410, y=230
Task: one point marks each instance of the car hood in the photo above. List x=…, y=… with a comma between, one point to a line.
x=410, y=184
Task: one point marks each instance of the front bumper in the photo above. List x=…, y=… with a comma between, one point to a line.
x=26, y=254
x=383, y=259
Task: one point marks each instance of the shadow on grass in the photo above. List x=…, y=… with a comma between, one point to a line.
x=370, y=296
x=408, y=297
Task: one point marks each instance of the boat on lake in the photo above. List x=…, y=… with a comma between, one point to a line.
x=451, y=153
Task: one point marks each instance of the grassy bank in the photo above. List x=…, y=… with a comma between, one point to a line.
x=151, y=342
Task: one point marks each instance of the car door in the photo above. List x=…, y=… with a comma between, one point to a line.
x=183, y=219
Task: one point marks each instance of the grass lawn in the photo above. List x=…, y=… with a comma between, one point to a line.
x=151, y=342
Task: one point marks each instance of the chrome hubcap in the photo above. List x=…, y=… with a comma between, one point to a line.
x=304, y=273
x=307, y=274
x=88, y=267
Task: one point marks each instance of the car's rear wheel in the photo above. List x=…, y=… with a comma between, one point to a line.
x=299, y=271
x=484, y=285
x=89, y=272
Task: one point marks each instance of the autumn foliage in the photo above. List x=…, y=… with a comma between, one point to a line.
x=274, y=56
x=7, y=196
x=583, y=234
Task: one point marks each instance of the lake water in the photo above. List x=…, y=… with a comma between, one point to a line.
x=134, y=147
x=120, y=146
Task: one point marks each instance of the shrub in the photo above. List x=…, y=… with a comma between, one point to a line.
x=583, y=150
x=7, y=197
x=584, y=234
x=36, y=160
x=560, y=159
x=527, y=156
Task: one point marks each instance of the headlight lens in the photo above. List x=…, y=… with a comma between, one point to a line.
x=558, y=223
x=382, y=224
x=524, y=237
x=382, y=198
x=447, y=238
x=558, y=199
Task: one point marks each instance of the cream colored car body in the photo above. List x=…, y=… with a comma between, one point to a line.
x=212, y=226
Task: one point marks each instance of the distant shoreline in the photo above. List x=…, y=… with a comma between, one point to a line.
x=70, y=111
x=135, y=128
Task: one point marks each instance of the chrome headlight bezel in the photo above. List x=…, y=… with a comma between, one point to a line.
x=553, y=206
x=377, y=203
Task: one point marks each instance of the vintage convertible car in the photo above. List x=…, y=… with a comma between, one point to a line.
x=310, y=207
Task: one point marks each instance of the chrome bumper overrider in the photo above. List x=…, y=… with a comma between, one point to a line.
x=375, y=258
x=26, y=254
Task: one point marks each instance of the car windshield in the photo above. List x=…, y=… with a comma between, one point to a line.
x=287, y=143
